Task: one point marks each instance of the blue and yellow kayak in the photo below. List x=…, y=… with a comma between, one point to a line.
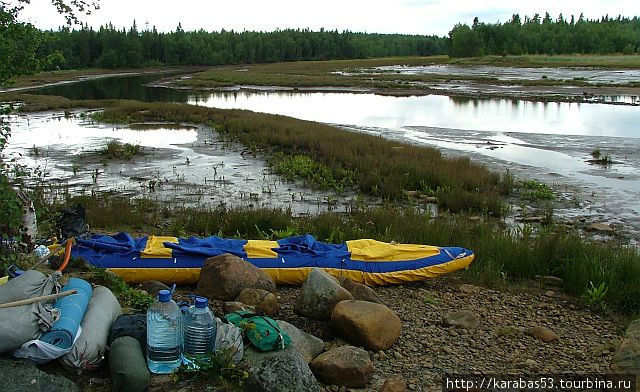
x=287, y=261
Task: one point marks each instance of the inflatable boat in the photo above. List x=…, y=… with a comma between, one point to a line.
x=287, y=261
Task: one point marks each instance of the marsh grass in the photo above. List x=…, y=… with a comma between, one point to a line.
x=576, y=60
x=536, y=190
x=501, y=254
x=47, y=77
x=130, y=297
x=358, y=73
x=116, y=150
x=601, y=159
x=374, y=165
x=315, y=174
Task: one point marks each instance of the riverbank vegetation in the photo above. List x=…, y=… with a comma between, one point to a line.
x=359, y=74
x=387, y=169
x=557, y=61
x=502, y=255
x=368, y=74
x=375, y=166
x=116, y=150
x=66, y=76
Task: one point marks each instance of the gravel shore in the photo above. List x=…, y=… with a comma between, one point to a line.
x=500, y=344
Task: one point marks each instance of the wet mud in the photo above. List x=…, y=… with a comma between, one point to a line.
x=177, y=164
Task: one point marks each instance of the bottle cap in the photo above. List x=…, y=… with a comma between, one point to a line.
x=164, y=295
x=201, y=302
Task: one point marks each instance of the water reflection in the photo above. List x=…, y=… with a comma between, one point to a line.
x=502, y=115
x=177, y=165
x=73, y=136
x=120, y=87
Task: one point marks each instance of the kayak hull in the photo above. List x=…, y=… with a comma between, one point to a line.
x=287, y=261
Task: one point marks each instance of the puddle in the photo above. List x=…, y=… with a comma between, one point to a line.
x=188, y=165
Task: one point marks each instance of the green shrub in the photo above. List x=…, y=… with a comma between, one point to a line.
x=595, y=296
x=217, y=368
x=116, y=150
x=536, y=190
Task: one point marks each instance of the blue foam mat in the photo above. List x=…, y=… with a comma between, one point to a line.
x=72, y=310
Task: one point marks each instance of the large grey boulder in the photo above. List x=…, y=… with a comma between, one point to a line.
x=360, y=291
x=306, y=344
x=263, y=301
x=319, y=294
x=373, y=326
x=347, y=365
x=279, y=371
x=626, y=359
x=21, y=376
x=224, y=276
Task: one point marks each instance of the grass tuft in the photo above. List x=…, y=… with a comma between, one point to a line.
x=116, y=150
x=536, y=190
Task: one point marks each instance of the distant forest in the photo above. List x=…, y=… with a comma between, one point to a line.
x=538, y=35
x=112, y=48
x=109, y=47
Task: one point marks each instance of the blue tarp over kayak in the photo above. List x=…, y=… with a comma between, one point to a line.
x=288, y=260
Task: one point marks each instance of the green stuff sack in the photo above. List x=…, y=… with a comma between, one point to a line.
x=127, y=365
x=264, y=333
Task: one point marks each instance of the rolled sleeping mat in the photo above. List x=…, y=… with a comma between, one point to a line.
x=72, y=309
x=88, y=350
x=127, y=366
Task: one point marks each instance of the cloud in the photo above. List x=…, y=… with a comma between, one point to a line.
x=390, y=16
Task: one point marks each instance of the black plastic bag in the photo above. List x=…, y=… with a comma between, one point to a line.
x=72, y=222
x=134, y=325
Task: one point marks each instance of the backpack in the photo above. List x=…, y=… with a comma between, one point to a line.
x=72, y=222
x=263, y=332
x=133, y=325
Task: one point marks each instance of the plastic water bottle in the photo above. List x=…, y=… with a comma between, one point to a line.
x=199, y=331
x=164, y=335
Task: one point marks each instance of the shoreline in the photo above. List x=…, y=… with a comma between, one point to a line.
x=475, y=226
x=589, y=96
x=27, y=83
x=345, y=76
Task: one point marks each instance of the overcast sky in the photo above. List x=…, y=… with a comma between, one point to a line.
x=386, y=16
